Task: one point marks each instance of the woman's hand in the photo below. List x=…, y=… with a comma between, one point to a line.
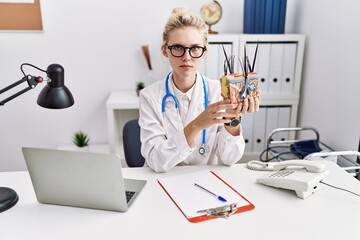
x=219, y=112
x=248, y=105
x=215, y=114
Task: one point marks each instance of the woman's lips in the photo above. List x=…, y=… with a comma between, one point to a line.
x=185, y=66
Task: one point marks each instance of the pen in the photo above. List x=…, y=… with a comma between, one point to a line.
x=218, y=196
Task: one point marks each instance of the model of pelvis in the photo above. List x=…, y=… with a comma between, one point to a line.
x=237, y=86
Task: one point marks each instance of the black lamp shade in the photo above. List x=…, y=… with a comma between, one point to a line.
x=55, y=94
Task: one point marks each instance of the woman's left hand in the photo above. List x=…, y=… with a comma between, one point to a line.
x=248, y=105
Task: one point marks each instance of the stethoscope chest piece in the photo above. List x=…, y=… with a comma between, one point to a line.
x=203, y=150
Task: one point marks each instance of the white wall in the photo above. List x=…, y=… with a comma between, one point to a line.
x=330, y=99
x=98, y=44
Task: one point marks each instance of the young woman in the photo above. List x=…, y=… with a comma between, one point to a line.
x=183, y=118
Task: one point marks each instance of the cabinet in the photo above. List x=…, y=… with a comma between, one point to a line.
x=279, y=66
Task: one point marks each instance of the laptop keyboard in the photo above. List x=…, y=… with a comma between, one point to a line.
x=129, y=195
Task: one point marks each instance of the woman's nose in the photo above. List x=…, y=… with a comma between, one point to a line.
x=187, y=54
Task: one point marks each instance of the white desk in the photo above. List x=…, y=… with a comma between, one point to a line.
x=278, y=214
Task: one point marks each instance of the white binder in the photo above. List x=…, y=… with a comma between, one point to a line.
x=288, y=69
x=247, y=121
x=259, y=130
x=229, y=52
x=262, y=66
x=212, y=62
x=272, y=116
x=276, y=60
x=284, y=121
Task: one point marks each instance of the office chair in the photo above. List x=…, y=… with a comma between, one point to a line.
x=132, y=144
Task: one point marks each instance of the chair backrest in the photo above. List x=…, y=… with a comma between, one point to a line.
x=132, y=144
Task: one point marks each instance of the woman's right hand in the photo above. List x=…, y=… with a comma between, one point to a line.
x=215, y=113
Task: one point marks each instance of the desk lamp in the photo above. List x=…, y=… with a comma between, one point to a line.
x=55, y=95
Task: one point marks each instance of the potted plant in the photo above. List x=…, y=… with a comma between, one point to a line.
x=81, y=139
x=139, y=86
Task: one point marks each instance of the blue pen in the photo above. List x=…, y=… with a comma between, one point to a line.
x=218, y=197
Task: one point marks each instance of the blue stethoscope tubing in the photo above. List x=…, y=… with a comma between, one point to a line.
x=203, y=148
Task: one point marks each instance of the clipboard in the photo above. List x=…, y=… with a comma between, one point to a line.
x=197, y=205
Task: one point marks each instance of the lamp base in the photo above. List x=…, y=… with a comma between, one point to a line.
x=8, y=198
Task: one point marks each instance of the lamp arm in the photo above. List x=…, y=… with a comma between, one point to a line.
x=32, y=82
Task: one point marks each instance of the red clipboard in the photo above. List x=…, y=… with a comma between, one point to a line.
x=215, y=212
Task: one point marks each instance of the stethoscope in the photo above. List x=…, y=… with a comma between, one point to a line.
x=204, y=149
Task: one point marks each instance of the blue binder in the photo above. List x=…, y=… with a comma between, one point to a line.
x=282, y=16
x=261, y=15
x=268, y=16
x=249, y=16
x=275, y=16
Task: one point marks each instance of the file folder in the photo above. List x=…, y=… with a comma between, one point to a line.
x=272, y=118
x=198, y=205
x=276, y=64
x=284, y=122
x=247, y=121
x=259, y=130
x=262, y=66
x=212, y=61
x=268, y=16
x=288, y=69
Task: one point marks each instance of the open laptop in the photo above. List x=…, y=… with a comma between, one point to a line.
x=80, y=179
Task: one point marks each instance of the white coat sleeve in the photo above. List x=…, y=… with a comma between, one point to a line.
x=230, y=148
x=161, y=153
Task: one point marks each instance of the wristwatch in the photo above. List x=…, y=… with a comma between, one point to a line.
x=234, y=122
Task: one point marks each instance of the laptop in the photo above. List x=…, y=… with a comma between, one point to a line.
x=80, y=179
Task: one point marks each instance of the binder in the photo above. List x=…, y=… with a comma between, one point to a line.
x=261, y=15
x=198, y=205
x=259, y=130
x=272, y=116
x=212, y=61
x=250, y=52
x=262, y=66
x=268, y=16
x=276, y=60
x=247, y=121
x=284, y=122
x=249, y=14
x=288, y=69
x=282, y=16
x=257, y=16
x=221, y=57
x=275, y=16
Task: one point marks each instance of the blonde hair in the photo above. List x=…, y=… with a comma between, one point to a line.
x=182, y=17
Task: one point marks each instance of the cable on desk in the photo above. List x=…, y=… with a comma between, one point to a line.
x=275, y=155
x=339, y=188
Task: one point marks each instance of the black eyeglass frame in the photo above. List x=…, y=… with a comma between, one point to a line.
x=189, y=50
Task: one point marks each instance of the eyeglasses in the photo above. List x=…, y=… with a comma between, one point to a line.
x=179, y=51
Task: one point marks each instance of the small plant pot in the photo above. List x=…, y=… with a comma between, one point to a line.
x=82, y=149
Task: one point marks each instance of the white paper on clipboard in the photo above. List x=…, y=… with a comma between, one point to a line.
x=191, y=199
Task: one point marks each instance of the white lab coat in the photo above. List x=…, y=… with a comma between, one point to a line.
x=163, y=141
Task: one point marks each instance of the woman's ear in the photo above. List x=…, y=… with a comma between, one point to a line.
x=163, y=51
